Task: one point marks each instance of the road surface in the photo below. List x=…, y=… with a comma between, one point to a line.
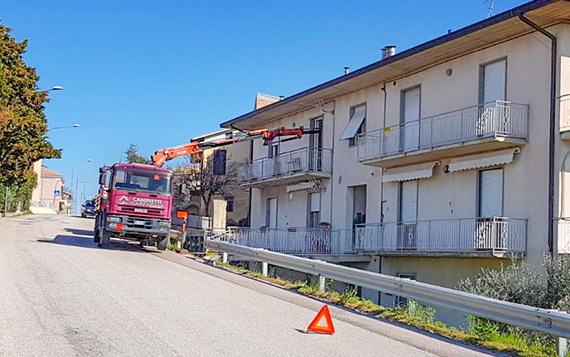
x=60, y=295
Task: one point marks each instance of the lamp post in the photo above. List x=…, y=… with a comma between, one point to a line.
x=64, y=127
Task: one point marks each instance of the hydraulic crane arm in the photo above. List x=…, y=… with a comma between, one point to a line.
x=160, y=157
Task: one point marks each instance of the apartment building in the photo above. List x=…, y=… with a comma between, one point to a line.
x=430, y=163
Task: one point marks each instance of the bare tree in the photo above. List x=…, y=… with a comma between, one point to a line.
x=205, y=178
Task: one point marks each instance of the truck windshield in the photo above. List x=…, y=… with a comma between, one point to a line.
x=138, y=180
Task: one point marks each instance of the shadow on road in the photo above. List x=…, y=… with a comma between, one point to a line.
x=84, y=239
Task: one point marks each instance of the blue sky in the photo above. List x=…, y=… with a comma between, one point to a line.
x=157, y=73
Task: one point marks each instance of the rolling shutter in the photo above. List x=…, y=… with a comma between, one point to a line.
x=411, y=117
x=409, y=202
x=491, y=193
x=494, y=81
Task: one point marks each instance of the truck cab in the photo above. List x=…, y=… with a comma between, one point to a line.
x=134, y=203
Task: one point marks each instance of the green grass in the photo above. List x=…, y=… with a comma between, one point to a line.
x=480, y=332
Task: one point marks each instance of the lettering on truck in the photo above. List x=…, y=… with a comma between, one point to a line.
x=148, y=202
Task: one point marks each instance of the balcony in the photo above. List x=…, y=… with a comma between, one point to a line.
x=565, y=117
x=476, y=237
x=285, y=168
x=486, y=127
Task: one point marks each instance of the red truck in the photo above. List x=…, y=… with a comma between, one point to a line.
x=134, y=203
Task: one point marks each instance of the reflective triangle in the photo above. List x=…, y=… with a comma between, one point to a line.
x=322, y=323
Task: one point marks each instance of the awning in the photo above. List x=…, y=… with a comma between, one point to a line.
x=355, y=121
x=496, y=158
x=303, y=186
x=409, y=173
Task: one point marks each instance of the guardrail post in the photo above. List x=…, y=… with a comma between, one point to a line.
x=561, y=342
x=224, y=257
x=322, y=283
x=264, y=268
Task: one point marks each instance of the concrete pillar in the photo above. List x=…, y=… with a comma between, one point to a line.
x=264, y=268
x=224, y=257
x=322, y=283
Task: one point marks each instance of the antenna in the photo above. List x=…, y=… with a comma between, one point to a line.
x=489, y=4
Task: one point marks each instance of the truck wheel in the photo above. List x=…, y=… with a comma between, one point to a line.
x=104, y=238
x=163, y=243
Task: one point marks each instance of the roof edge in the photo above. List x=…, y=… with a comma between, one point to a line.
x=506, y=15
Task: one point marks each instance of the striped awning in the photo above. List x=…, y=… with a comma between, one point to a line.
x=496, y=158
x=409, y=173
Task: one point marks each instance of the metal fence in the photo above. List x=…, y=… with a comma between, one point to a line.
x=498, y=118
x=295, y=241
x=287, y=163
x=454, y=235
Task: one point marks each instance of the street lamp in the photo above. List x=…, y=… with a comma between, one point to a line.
x=49, y=90
x=64, y=127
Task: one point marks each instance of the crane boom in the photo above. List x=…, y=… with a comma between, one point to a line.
x=160, y=157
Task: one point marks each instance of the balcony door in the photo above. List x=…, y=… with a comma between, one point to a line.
x=271, y=165
x=410, y=119
x=493, y=88
x=408, y=215
x=489, y=234
x=271, y=215
x=316, y=146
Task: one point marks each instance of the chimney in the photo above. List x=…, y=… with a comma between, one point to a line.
x=346, y=70
x=388, y=51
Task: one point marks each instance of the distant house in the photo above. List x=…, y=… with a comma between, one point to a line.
x=48, y=196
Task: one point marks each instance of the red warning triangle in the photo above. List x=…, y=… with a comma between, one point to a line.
x=322, y=322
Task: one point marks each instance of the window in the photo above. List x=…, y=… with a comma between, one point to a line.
x=491, y=193
x=219, y=162
x=314, y=204
x=356, y=125
x=230, y=205
x=493, y=81
x=399, y=300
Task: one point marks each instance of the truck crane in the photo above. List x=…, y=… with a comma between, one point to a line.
x=135, y=201
x=161, y=156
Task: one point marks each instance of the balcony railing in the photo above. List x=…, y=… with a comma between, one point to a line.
x=298, y=241
x=565, y=113
x=304, y=160
x=458, y=235
x=494, y=119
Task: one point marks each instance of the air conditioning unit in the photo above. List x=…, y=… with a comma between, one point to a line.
x=407, y=238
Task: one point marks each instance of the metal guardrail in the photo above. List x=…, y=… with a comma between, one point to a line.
x=287, y=163
x=533, y=318
x=498, y=118
x=447, y=235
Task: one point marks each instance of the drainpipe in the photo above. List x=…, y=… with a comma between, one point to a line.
x=382, y=169
x=553, y=85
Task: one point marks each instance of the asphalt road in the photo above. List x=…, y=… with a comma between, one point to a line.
x=60, y=295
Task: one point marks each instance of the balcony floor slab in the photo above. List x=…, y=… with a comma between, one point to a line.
x=285, y=180
x=471, y=147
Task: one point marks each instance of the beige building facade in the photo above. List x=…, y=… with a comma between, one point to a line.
x=431, y=163
x=48, y=196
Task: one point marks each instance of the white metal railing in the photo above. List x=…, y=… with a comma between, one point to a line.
x=295, y=241
x=565, y=112
x=498, y=118
x=454, y=235
x=547, y=321
x=288, y=163
x=563, y=234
